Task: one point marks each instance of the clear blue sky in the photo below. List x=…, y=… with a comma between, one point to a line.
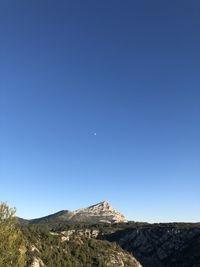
x=128, y=71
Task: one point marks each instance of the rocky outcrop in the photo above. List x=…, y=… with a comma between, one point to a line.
x=87, y=233
x=120, y=259
x=37, y=262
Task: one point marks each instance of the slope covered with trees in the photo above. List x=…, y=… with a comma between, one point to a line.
x=12, y=243
x=56, y=249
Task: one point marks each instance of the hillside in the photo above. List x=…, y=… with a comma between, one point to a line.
x=50, y=249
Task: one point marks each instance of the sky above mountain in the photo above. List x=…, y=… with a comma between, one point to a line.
x=101, y=100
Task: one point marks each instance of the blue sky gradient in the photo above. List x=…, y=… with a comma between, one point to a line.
x=125, y=70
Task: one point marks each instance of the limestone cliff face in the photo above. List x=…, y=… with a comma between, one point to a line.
x=101, y=212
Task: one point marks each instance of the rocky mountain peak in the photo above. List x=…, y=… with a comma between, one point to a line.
x=100, y=212
x=104, y=205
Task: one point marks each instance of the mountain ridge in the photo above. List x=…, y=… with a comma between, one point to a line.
x=101, y=212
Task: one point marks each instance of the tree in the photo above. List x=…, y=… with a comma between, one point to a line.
x=12, y=246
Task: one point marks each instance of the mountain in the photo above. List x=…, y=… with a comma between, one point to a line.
x=102, y=212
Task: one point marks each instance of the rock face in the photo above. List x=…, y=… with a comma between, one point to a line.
x=160, y=245
x=87, y=233
x=102, y=212
x=37, y=262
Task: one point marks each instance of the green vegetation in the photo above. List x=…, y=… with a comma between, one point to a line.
x=79, y=251
x=22, y=243
x=12, y=245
